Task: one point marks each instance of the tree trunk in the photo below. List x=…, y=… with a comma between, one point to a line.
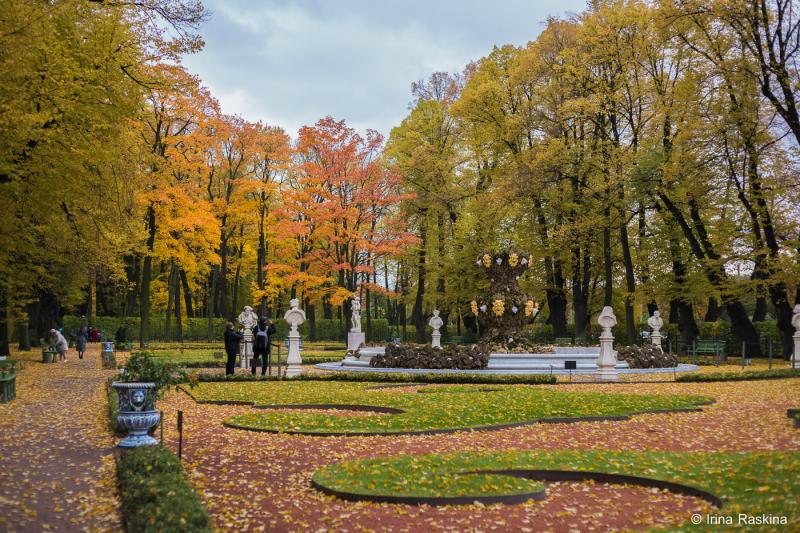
x=24, y=335
x=608, y=289
x=311, y=315
x=187, y=295
x=630, y=283
x=210, y=291
x=144, y=296
x=91, y=310
x=170, y=298
x=581, y=277
x=178, y=316
x=133, y=266
x=5, y=349
x=713, y=310
x=741, y=326
x=683, y=311
x=418, y=313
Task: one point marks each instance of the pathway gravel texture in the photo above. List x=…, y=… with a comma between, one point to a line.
x=57, y=471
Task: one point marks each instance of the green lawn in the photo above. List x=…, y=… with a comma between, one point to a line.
x=441, y=408
x=754, y=483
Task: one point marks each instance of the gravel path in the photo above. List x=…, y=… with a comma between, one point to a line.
x=56, y=468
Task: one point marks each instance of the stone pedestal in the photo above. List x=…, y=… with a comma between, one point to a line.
x=435, y=323
x=293, y=360
x=247, y=348
x=294, y=317
x=436, y=339
x=655, y=338
x=607, y=360
x=355, y=339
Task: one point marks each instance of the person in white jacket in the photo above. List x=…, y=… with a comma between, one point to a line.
x=60, y=343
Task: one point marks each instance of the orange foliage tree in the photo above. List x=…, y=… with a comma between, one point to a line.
x=341, y=208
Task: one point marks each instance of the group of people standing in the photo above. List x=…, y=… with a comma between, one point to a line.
x=61, y=344
x=262, y=334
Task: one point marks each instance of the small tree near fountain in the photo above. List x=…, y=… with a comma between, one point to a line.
x=505, y=312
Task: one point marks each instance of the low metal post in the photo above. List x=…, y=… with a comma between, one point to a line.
x=769, y=344
x=161, y=423
x=180, y=435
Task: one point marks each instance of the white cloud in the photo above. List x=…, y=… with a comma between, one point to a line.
x=290, y=64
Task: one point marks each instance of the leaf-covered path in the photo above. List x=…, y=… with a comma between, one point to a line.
x=56, y=464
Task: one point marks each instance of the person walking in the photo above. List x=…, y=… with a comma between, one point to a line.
x=232, y=340
x=80, y=341
x=60, y=343
x=262, y=334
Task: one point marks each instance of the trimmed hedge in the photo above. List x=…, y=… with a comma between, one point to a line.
x=782, y=373
x=478, y=379
x=156, y=493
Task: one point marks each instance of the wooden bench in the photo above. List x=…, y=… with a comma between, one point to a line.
x=562, y=340
x=704, y=346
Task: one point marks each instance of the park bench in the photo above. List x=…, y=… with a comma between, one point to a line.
x=559, y=341
x=48, y=352
x=704, y=346
x=8, y=381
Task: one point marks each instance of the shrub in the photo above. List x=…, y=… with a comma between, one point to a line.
x=781, y=373
x=453, y=357
x=143, y=367
x=647, y=356
x=156, y=493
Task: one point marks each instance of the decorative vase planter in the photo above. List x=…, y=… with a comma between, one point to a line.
x=137, y=412
x=107, y=354
x=8, y=380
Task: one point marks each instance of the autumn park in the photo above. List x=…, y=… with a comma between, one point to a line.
x=399, y=266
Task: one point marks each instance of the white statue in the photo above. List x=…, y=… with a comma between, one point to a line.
x=436, y=322
x=247, y=321
x=656, y=323
x=356, y=318
x=796, y=336
x=294, y=317
x=607, y=361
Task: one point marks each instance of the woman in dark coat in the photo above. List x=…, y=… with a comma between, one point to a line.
x=80, y=341
x=232, y=340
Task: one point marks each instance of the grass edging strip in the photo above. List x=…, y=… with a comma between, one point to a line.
x=537, y=475
x=444, y=431
x=431, y=500
x=157, y=493
x=782, y=373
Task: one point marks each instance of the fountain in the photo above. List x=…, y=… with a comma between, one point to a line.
x=502, y=316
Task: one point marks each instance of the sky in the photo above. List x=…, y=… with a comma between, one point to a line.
x=291, y=62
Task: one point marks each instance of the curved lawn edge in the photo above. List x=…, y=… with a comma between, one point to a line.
x=534, y=474
x=508, y=499
x=491, y=427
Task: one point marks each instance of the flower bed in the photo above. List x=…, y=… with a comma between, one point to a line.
x=451, y=357
x=647, y=356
